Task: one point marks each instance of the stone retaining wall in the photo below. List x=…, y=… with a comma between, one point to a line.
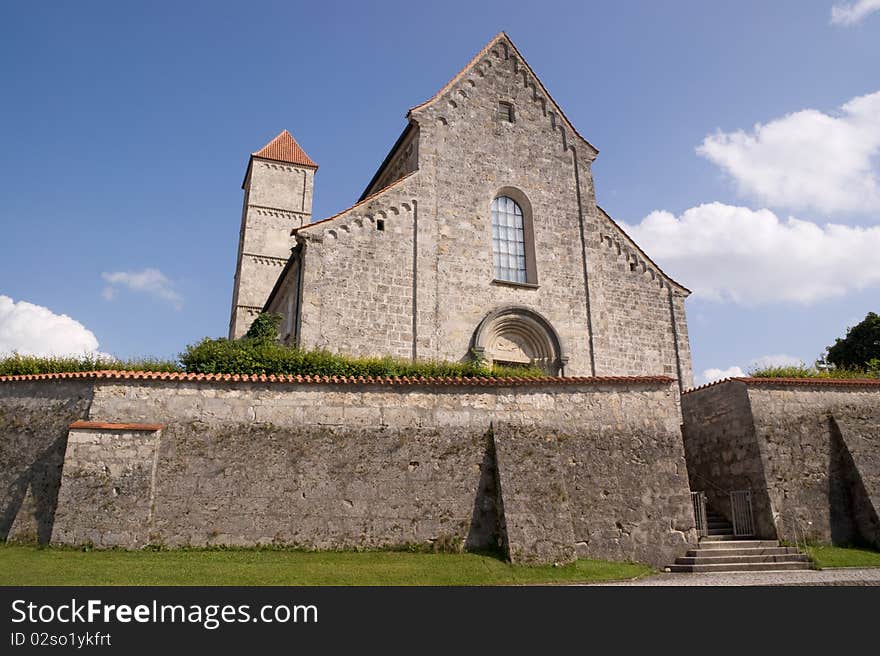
x=807, y=449
x=593, y=468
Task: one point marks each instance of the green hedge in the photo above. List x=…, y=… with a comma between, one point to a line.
x=803, y=371
x=260, y=356
x=19, y=365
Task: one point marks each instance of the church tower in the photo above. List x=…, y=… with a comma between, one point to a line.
x=278, y=189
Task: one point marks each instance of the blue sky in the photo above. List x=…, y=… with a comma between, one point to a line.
x=126, y=129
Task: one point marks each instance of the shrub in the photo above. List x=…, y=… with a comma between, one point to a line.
x=803, y=371
x=19, y=365
x=255, y=356
x=265, y=327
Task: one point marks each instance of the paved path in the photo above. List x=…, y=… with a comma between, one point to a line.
x=843, y=576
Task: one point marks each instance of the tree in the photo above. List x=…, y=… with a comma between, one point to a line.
x=265, y=327
x=860, y=346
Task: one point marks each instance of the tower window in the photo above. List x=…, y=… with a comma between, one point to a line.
x=380, y=225
x=505, y=111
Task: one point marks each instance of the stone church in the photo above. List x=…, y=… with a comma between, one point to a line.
x=479, y=235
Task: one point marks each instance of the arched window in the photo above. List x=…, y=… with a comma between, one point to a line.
x=508, y=241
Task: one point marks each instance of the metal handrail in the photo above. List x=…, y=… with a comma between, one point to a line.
x=698, y=501
x=796, y=527
x=717, y=487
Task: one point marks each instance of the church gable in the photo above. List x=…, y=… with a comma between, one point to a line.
x=454, y=101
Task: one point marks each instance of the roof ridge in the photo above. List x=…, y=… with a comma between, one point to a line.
x=486, y=48
x=639, y=248
x=372, y=196
x=111, y=374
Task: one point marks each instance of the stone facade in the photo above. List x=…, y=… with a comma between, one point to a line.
x=548, y=470
x=408, y=271
x=806, y=449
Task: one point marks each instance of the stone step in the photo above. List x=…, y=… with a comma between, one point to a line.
x=742, y=567
x=741, y=559
x=741, y=551
x=728, y=542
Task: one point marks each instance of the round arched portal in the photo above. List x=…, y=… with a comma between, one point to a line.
x=518, y=336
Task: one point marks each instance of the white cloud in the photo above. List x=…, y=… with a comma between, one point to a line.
x=853, y=12
x=711, y=375
x=780, y=360
x=808, y=159
x=751, y=257
x=148, y=281
x=765, y=361
x=35, y=330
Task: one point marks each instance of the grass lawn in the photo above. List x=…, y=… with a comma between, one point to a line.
x=824, y=557
x=22, y=565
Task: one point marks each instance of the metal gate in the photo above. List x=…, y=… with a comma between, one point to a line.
x=699, y=501
x=741, y=513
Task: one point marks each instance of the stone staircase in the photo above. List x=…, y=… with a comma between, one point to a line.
x=721, y=551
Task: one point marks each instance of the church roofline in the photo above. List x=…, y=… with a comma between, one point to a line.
x=643, y=253
x=357, y=204
x=487, y=48
x=410, y=126
x=280, y=280
x=284, y=149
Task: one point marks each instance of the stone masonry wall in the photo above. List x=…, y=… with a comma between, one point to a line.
x=468, y=156
x=333, y=466
x=34, y=419
x=115, y=470
x=859, y=448
x=722, y=450
x=635, y=304
x=806, y=472
x=807, y=448
x=358, y=279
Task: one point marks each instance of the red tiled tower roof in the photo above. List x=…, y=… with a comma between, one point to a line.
x=284, y=148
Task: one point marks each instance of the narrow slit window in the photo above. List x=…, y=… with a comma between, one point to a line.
x=508, y=240
x=380, y=225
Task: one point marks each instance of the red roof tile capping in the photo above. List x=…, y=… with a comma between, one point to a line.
x=345, y=380
x=284, y=148
x=103, y=425
x=794, y=382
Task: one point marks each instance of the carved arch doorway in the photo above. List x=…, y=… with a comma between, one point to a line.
x=518, y=336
